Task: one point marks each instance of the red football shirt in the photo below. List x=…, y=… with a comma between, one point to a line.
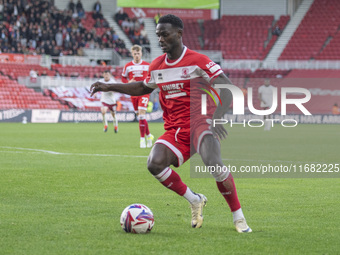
x=138, y=71
x=174, y=80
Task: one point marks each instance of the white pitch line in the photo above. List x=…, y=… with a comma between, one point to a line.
x=71, y=154
x=139, y=156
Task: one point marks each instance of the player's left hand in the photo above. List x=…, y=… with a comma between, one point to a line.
x=97, y=86
x=219, y=131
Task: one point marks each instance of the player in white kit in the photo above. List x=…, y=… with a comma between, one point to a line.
x=266, y=96
x=108, y=101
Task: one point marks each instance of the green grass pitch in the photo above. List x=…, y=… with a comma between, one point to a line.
x=64, y=186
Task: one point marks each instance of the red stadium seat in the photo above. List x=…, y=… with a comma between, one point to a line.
x=319, y=25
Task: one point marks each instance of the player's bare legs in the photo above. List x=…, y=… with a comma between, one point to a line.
x=144, y=130
x=115, y=120
x=160, y=158
x=211, y=155
x=267, y=122
x=103, y=109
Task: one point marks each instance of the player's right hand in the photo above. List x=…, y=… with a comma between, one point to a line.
x=219, y=131
x=132, y=80
x=97, y=86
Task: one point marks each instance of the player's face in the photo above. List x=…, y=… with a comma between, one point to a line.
x=137, y=55
x=106, y=76
x=169, y=37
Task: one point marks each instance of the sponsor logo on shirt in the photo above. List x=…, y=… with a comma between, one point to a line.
x=137, y=73
x=174, y=90
x=173, y=87
x=213, y=67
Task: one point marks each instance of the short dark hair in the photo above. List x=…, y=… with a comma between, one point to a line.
x=172, y=19
x=106, y=71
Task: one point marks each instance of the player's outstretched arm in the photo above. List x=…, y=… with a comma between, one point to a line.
x=226, y=98
x=225, y=95
x=134, y=88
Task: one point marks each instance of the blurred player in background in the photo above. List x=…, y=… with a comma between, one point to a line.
x=335, y=109
x=137, y=70
x=108, y=101
x=266, y=96
x=174, y=73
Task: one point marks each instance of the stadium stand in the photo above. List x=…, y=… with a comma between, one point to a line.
x=319, y=26
x=192, y=39
x=40, y=28
x=14, y=70
x=280, y=24
x=238, y=37
x=86, y=71
x=36, y=29
x=320, y=73
x=16, y=96
x=332, y=50
x=133, y=27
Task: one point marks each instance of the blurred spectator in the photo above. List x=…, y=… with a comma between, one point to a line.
x=133, y=28
x=79, y=6
x=98, y=23
x=120, y=16
x=97, y=8
x=36, y=27
x=335, y=109
x=277, y=31
x=33, y=76
x=150, y=107
x=57, y=74
x=156, y=18
x=59, y=38
x=143, y=32
x=155, y=104
x=72, y=6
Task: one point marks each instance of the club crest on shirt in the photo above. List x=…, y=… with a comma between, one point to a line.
x=185, y=73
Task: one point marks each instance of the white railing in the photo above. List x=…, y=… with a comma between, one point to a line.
x=300, y=64
x=102, y=54
x=241, y=64
x=114, y=57
x=47, y=82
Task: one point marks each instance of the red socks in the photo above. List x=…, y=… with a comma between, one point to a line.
x=143, y=128
x=172, y=180
x=147, y=132
x=228, y=191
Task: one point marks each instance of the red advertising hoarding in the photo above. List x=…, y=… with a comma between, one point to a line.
x=19, y=58
x=205, y=14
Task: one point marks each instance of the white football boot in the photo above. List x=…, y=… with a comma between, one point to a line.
x=197, y=211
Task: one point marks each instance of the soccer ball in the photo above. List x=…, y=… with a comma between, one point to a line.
x=137, y=218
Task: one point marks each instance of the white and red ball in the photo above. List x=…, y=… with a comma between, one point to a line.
x=137, y=218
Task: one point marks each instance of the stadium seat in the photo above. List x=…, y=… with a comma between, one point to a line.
x=319, y=25
x=16, y=96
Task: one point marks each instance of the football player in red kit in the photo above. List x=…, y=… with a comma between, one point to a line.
x=137, y=70
x=174, y=73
